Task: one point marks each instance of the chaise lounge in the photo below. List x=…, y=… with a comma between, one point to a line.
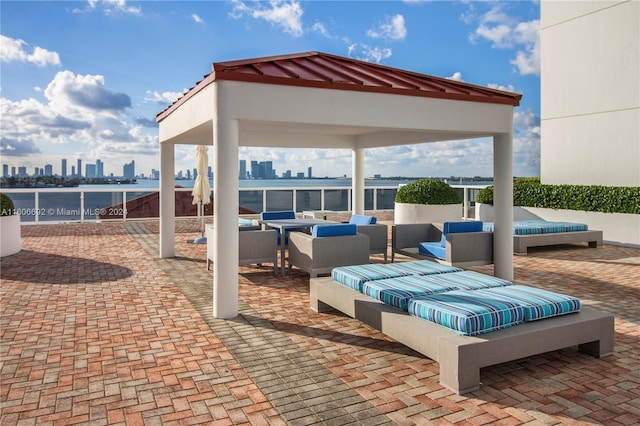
x=462, y=319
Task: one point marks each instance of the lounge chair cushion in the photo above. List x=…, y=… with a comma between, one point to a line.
x=355, y=276
x=278, y=215
x=467, y=280
x=362, y=220
x=433, y=250
x=334, y=230
x=537, y=303
x=533, y=227
x=438, y=249
x=467, y=312
x=398, y=291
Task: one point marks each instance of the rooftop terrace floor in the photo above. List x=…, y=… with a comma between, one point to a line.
x=96, y=329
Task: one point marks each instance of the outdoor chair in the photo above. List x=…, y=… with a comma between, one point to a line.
x=255, y=247
x=279, y=215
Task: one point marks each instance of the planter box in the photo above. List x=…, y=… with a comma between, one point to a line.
x=426, y=213
x=617, y=228
x=10, y=235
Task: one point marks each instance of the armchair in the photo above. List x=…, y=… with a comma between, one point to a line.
x=328, y=246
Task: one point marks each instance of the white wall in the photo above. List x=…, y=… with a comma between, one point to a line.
x=590, y=81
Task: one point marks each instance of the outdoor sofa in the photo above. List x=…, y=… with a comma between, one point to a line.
x=460, y=243
x=255, y=246
x=328, y=246
x=537, y=233
x=461, y=319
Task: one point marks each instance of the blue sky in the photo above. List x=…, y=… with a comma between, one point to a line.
x=85, y=79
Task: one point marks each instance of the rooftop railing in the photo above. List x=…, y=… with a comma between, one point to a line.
x=87, y=204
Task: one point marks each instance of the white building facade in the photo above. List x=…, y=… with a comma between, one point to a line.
x=590, y=92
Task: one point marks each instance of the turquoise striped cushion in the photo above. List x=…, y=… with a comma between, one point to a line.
x=466, y=280
x=422, y=267
x=398, y=291
x=467, y=312
x=355, y=276
x=537, y=303
x=531, y=227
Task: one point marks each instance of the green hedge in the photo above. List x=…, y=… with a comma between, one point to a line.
x=529, y=192
x=428, y=191
x=6, y=205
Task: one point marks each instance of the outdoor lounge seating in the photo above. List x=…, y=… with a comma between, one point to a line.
x=453, y=243
x=537, y=233
x=327, y=247
x=378, y=233
x=255, y=247
x=462, y=319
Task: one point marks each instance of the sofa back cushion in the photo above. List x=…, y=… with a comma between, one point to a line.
x=458, y=227
x=334, y=230
x=277, y=215
x=359, y=219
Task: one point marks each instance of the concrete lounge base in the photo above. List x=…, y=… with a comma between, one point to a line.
x=461, y=357
x=522, y=242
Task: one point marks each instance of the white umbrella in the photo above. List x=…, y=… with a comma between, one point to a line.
x=201, y=189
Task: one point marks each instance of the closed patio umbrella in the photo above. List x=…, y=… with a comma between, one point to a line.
x=201, y=189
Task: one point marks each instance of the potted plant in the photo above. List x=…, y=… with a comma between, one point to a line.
x=427, y=201
x=9, y=227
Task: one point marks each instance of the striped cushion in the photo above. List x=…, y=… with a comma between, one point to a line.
x=355, y=276
x=467, y=280
x=531, y=227
x=537, y=303
x=398, y=291
x=422, y=267
x=467, y=312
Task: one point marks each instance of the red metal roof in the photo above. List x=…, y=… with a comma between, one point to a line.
x=322, y=70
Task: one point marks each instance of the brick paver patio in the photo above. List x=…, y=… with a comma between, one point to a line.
x=96, y=329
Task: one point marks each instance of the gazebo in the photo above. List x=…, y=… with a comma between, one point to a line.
x=318, y=100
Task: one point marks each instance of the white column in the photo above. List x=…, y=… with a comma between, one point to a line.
x=225, y=218
x=503, y=206
x=167, y=201
x=357, y=183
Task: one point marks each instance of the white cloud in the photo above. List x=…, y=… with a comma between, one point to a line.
x=14, y=50
x=506, y=32
x=393, y=28
x=508, y=88
x=80, y=96
x=456, y=76
x=285, y=14
x=368, y=53
x=321, y=29
x=164, y=98
x=110, y=7
x=197, y=19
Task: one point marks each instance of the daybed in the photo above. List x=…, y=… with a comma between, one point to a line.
x=459, y=245
x=327, y=247
x=462, y=319
x=536, y=233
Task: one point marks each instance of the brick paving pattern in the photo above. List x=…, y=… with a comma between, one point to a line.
x=96, y=329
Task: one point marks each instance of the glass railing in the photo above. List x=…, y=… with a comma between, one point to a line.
x=59, y=205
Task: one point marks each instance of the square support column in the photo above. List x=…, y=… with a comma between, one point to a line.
x=225, y=218
x=357, y=182
x=503, y=205
x=167, y=201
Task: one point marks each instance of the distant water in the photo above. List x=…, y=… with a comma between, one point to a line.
x=278, y=183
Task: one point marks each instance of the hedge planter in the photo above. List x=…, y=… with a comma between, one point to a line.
x=426, y=213
x=10, y=235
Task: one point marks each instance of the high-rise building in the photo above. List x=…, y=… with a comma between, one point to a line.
x=90, y=171
x=79, y=168
x=13, y=170
x=129, y=170
x=242, y=174
x=73, y=170
x=5, y=170
x=22, y=171
x=255, y=170
x=64, y=167
x=309, y=174
x=48, y=170
x=99, y=168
